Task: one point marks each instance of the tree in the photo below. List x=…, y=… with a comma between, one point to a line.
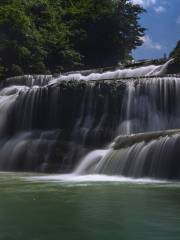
x=176, y=53
x=33, y=39
x=174, y=67
x=105, y=31
x=42, y=36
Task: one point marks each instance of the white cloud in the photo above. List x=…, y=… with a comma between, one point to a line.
x=148, y=43
x=159, y=9
x=144, y=3
x=178, y=20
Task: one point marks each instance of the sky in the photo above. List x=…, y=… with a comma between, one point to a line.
x=162, y=21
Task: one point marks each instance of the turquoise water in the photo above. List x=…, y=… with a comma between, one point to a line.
x=50, y=209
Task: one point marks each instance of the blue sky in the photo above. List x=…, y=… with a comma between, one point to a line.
x=162, y=21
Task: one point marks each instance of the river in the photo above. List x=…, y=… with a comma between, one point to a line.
x=88, y=207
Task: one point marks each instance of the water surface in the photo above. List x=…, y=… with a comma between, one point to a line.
x=70, y=208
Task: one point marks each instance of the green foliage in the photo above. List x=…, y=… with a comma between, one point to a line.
x=174, y=67
x=105, y=31
x=176, y=53
x=38, y=36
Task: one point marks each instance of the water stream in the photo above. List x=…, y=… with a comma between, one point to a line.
x=69, y=123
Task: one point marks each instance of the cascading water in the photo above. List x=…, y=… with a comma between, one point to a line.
x=50, y=123
x=148, y=155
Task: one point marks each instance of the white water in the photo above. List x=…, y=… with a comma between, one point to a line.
x=87, y=179
x=29, y=80
x=139, y=106
x=90, y=160
x=45, y=80
x=146, y=71
x=7, y=98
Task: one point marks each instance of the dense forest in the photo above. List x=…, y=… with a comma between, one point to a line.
x=43, y=36
x=52, y=36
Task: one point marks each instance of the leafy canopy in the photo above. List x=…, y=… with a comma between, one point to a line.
x=42, y=36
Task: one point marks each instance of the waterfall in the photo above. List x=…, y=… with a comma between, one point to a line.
x=57, y=124
x=158, y=158
x=29, y=80
x=151, y=70
x=88, y=163
x=152, y=155
x=42, y=80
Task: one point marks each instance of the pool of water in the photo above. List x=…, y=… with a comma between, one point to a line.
x=67, y=207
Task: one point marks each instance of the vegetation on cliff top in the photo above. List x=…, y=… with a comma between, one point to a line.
x=176, y=53
x=42, y=36
x=175, y=66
